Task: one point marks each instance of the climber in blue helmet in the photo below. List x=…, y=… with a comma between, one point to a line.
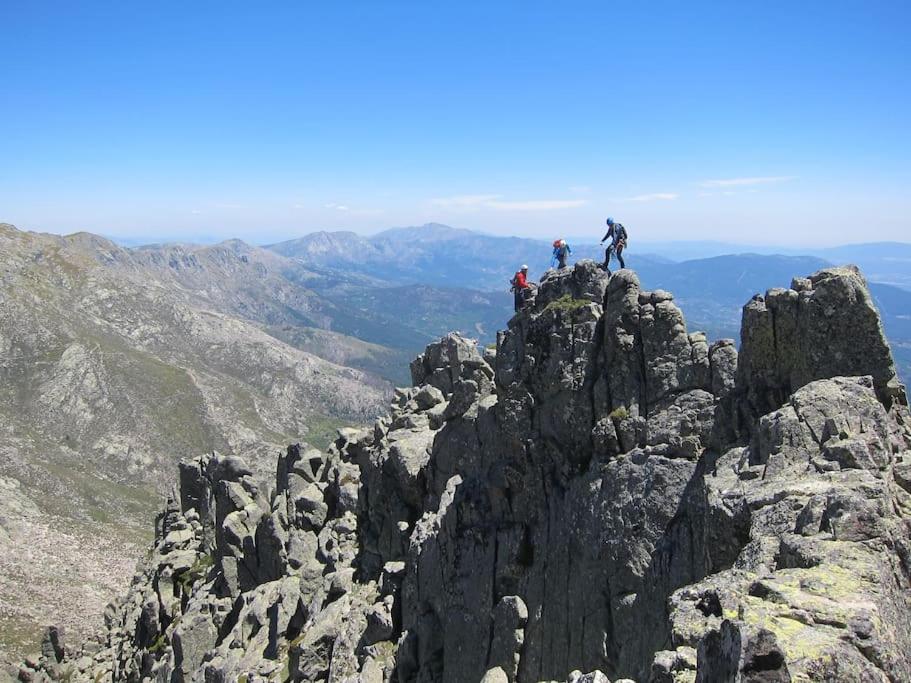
x=616, y=233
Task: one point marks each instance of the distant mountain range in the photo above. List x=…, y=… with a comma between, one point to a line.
x=432, y=254
x=711, y=289
x=884, y=262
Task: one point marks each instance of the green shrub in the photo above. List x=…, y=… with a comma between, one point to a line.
x=620, y=413
x=198, y=571
x=159, y=644
x=567, y=303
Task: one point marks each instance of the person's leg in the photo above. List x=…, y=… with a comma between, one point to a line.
x=562, y=261
x=620, y=255
x=517, y=300
x=607, y=254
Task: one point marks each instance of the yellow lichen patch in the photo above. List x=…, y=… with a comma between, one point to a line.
x=851, y=558
x=828, y=591
x=826, y=586
x=799, y=641
x=809, y=609
x=832, y=581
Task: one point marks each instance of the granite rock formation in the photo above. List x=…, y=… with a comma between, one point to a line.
x=605, y=493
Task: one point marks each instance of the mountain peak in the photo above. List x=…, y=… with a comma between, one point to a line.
x=325, y=247
x=429, y=232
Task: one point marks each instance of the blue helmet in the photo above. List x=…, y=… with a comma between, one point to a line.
x=610, y=221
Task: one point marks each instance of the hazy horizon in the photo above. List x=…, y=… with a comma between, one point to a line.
x=714, y=247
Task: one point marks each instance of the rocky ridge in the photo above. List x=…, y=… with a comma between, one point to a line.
x=604, y=492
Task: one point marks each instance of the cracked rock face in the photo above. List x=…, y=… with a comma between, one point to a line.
x=607, y=497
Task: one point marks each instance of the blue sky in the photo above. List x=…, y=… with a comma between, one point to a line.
x=777, y=123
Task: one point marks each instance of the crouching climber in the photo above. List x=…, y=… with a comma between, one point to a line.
x=616, y=233
x=520, y=287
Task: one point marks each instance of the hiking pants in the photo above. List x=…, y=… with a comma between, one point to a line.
x=561, y=260
x=519, y=299
x=614, y=249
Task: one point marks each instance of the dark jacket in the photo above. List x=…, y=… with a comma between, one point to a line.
x=616, y=233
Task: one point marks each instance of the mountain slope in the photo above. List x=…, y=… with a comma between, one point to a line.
x=110, y=372
x=338, y=313
x=431, y=254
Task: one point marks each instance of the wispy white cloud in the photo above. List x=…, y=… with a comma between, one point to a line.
x=464, y=201
x=496, y=202
x=653, y=197
x=744, y=182
x=347, y=209
x=537, y=204
x=580, y=189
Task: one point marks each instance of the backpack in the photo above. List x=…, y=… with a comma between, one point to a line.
x=620, y=233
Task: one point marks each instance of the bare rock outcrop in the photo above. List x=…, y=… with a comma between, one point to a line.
x=825, y=325
x=607, y=493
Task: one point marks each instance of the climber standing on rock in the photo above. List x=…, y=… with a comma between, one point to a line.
x=616, y=233
x=520, y=287
x=561, y=251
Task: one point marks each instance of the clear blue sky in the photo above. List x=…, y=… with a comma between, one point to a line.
x=757, y=122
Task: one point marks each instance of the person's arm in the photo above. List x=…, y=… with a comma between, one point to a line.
x=606, y=235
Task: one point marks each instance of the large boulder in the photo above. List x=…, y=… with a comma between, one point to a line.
x=447, y=361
